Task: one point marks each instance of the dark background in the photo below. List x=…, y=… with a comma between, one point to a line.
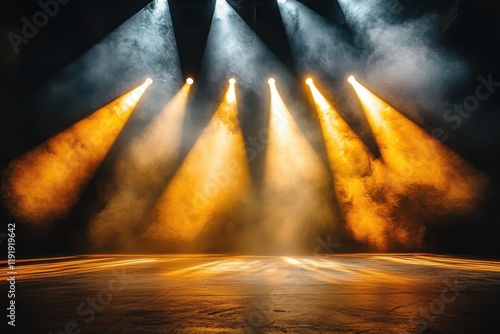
x=474, y=33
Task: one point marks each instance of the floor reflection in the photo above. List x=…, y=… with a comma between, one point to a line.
x=375, y=293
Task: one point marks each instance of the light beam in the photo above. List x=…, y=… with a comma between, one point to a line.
x=45, y=183
x=418, y=158
x=227, y=51
x=139, y=176
x=296, y=183
x=212, y=182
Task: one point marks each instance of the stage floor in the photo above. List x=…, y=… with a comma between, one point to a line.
x=371, y=293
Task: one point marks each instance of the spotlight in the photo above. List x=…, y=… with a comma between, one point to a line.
x=232, y=81
x=271, y=81
x=189, y=81
x=148, y=81
x=309, y=81
x=181, y=217
x=46, y=182
x=351, y=79
x=222, y=9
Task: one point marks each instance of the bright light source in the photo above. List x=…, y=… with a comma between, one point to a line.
x=309, y=81
x=281, y=1
x=271, y=81
x=189, y=81
x=232, y=81
x=351, y=79
x=149, y=81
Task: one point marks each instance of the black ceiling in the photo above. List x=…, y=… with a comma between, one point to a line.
x=80, y=24
x=473, y=30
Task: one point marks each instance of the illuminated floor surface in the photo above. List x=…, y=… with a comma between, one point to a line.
x=221, y=294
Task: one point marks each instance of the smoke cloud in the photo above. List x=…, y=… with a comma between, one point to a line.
x=403, y=56
x=144, y=46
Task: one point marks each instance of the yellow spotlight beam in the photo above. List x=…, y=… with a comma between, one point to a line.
x=418, y=158
x=347, y=154
x=288, y=149
x=297, y=183
x=355, y=172
x=139, y=175
x=210, y=184
x=45, y=183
